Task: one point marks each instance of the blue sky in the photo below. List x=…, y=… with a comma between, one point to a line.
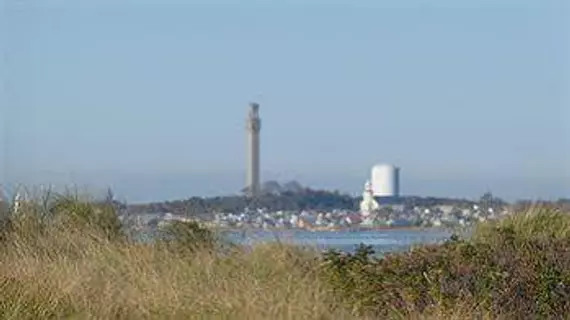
x=150, y=97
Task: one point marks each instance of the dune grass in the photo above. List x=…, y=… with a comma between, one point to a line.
x=74, y=266
x=110, y=281
x=65, y=257
x=539, y=221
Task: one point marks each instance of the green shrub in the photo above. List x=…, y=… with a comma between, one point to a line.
x=517, y=271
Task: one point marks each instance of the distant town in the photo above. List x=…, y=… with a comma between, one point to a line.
x=292, y=206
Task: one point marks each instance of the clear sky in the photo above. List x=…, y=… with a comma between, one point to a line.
x=150, y=97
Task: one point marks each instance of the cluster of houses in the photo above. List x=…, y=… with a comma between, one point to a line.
x=371, y=215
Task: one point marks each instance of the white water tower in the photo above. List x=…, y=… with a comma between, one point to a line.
x=385, y=180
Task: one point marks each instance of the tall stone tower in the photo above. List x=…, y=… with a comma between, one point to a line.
x=253, y=126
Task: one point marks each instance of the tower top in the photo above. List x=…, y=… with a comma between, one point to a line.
x=253, y=110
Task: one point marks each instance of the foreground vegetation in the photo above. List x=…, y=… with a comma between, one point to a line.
x=67, y=257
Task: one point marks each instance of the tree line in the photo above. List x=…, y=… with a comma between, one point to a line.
x=307, y=199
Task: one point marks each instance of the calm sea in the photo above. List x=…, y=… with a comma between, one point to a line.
x=381, y=240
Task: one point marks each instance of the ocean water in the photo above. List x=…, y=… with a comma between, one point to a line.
x=382, y=241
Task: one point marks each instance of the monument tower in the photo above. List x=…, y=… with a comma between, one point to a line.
x=253, y=126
